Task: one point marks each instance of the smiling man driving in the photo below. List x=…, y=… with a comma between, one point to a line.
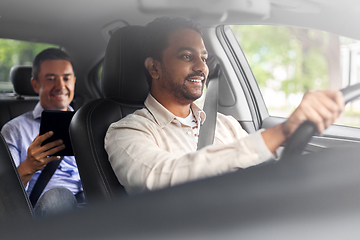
x=156, y=147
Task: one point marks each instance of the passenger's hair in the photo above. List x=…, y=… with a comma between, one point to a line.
x=48, y=54
x=158, y=32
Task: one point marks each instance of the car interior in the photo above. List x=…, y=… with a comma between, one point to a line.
x=297, y=197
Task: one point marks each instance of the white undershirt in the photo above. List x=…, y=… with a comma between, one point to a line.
x=191, y=121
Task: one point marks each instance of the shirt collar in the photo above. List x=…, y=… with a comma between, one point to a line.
x=39, y=109
x=163, y=116
x=198, y=113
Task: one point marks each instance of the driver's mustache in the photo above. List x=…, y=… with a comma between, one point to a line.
x=196, y=74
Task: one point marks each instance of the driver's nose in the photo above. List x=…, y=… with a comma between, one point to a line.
x=201, y=66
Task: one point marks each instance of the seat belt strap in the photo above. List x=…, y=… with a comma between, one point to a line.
x=43, y=180
x=207, y=130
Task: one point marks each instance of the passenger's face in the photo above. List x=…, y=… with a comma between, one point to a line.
x=183, y=70
x=55, y=84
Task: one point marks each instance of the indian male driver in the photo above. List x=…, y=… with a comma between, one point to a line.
x=156, y=147
x=54, y=80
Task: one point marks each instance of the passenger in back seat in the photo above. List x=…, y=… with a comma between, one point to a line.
x=53, y=79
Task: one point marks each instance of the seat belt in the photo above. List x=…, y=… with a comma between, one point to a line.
x=43, y=180
x=207, y=130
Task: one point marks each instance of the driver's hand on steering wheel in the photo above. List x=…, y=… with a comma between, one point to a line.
x=321, y=107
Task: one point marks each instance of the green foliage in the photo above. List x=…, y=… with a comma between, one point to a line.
x=14, y=52
x=294, y=56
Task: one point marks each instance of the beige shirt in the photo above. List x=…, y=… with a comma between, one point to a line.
x=150, y=149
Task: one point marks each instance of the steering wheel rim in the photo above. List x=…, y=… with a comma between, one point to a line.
x=303, y=134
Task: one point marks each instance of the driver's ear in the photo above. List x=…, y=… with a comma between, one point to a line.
x=151, y=65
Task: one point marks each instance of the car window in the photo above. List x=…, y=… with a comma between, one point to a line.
x=14, y=52
x=289, y=61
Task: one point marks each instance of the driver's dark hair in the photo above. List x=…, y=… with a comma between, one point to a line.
x=48, y=54
x=157, y=36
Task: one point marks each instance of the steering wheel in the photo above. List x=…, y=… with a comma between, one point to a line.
x=301, y=137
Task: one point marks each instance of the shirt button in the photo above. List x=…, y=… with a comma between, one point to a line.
x=188, y=132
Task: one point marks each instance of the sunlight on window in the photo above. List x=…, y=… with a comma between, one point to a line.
x=289, y=61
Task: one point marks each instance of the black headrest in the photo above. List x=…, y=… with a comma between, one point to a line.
x=124, y=71
x=20, y=77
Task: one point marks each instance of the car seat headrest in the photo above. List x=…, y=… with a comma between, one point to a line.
x=124, y=71
x=20, y=77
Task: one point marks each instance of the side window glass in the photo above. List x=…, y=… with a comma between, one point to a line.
x=289, y=61
x=14, y=52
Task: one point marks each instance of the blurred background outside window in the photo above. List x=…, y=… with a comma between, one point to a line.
x=288, y=61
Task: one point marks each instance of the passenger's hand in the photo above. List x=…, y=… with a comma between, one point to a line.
x=321, y=107
x=38, y=156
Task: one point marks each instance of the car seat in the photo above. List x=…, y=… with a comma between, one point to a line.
x=14, y=202
x=25, y=98
x=125, y=89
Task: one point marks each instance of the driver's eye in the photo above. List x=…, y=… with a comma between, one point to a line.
x=186, y=56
